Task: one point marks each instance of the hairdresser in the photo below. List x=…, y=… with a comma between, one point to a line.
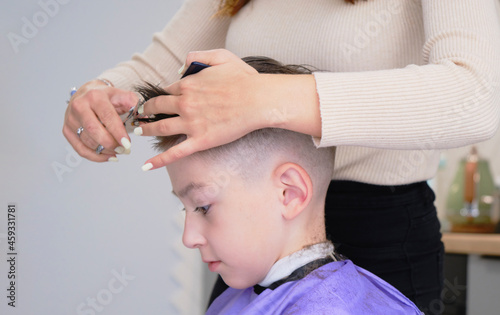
x=402, y=80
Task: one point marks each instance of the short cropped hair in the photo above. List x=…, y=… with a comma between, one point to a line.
x=249, y=153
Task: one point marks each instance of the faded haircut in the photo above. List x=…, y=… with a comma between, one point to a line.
x=249, y=154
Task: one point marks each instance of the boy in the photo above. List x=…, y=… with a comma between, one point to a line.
x=255, y=210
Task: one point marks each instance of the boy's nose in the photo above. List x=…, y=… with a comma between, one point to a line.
x=192, y=236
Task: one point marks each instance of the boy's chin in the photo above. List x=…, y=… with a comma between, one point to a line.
x=238, y=283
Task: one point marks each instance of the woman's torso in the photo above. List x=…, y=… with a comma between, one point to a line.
x=336, y=36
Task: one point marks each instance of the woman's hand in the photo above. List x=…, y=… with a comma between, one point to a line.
x=213, y=106
x=226, y=101
x=96, y=107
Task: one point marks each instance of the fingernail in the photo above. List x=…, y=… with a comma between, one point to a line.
x=138, y=131
x=126, y=143
x=113, y=159
x=140, y=110
x=119, y=150
x=147, y=167
x=181, y=70
x=127, y=152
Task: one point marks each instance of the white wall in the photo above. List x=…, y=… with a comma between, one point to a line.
x=483, y=278
x=77, y=231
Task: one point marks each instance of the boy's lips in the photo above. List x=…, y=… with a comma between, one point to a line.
x=212, y=265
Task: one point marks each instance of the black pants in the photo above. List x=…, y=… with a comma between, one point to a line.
x=392, y=231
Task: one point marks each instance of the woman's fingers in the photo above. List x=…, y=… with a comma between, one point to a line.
x=165, y=127
x=113, y=133
x=83, y=150
x=95, y=112
x=214, y=106
x=212, y=57
x=179, y=151
x=122, y=100
x=76, y=133
x=164, y=104
x=96, y=109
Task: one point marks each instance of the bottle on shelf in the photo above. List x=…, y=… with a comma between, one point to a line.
x=471, y=198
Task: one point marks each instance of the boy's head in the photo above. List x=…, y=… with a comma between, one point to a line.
x=253, y=201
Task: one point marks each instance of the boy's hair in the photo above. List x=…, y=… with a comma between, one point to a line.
x=247, y=154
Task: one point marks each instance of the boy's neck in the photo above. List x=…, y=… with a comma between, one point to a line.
x=306, y=230
x=286, y=265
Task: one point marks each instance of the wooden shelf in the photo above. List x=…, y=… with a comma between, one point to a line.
x=471, y=243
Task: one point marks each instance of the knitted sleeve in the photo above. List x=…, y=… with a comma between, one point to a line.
x=192, y=28
x=452, y=100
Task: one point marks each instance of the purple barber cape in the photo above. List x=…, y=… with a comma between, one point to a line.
x=335, y=288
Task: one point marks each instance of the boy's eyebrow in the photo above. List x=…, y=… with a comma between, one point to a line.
x=189, y=187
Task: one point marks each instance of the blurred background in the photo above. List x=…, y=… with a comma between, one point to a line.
x=106, y=238
x=91, y=238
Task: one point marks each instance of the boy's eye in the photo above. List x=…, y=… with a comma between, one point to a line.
x=203, y=209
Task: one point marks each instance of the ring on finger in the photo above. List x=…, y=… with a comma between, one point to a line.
x=99, y=149
x=79, y=131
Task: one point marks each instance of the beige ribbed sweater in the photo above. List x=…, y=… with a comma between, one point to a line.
x=403, y=78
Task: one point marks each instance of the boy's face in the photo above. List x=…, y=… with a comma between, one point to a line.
x=235, y=223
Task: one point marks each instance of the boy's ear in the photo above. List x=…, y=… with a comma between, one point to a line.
x=295, y=189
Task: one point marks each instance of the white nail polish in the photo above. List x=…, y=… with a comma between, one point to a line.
x=181, y=70
x=126, y=143
x=127, y=152
x=140, y=110
x=113, y=159
x=138, y=131
x=119, y=150
x=147, y=167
